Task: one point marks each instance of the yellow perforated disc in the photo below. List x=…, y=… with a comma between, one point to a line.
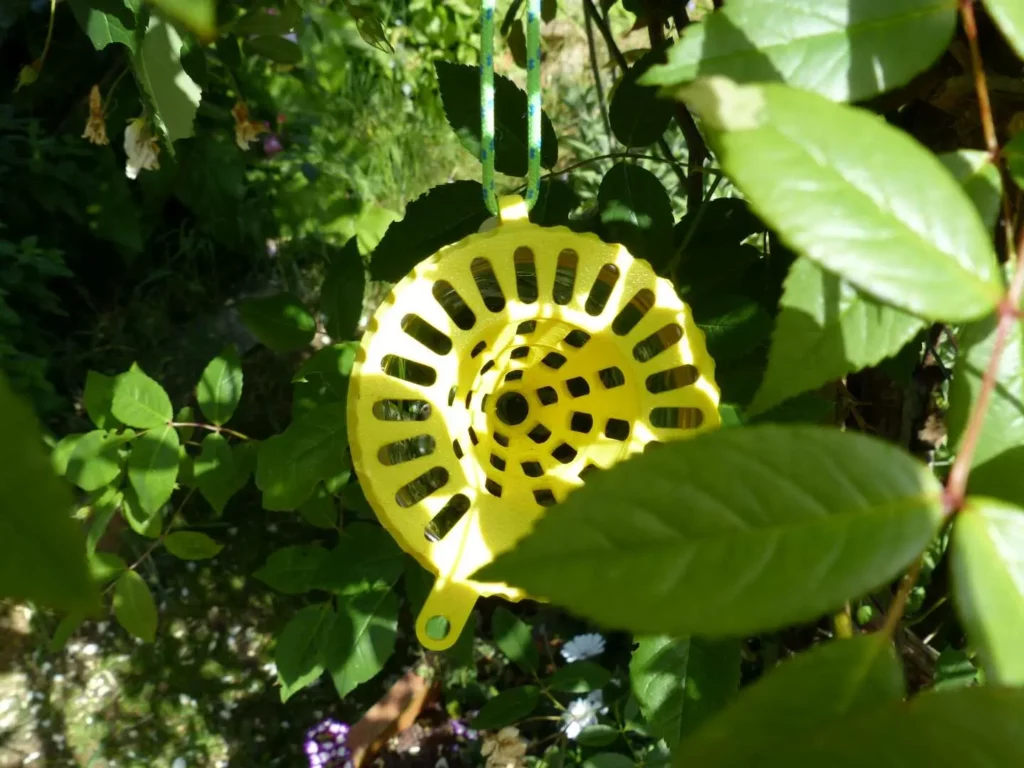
x=495, y=376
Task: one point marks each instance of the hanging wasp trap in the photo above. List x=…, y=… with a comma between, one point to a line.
x=496, y=376
x=506, y=367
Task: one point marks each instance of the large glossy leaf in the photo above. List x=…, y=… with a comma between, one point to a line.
x=436, y=218
x=199, y=15
x=134, y=606
x=361, y=638
x=220, y=387
x=153, y=467
x=854, y=194
x=847, y=51
x=221, y=471
x=965, y=728
x=281, y=321
x=739, y=531
x=980, y=179
x=988, y=584
x=42, y=550
x=825, y=329
x=341, y=296
x=293, y=570
x=796, y=701
x=509, y=706
x=637, y=116
x=1009, y=17
x=1000, y=449
x=105, y=22
x=555, y=202
x=175, y=96
x=139, y=401
x=680, y=682
x=366, y=558
x=515, y=639
x=460, y=92
x=291, y=464
x=636, y=211
x=98, y=398
x=298, y=649
x=96, y=459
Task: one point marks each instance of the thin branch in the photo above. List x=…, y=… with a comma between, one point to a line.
x=625, y=156
x=899, y=603
x=670, y=268
x=613, y=49
x=592, y=50
x=211, y=427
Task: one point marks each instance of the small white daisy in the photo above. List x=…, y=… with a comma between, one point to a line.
x=583, y=647
x=582, y=713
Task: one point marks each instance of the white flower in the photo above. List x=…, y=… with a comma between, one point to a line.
x=583, y=647
x=179, y=762
x=141, y=147
x=582, y=713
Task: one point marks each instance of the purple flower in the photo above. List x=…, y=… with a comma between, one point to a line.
x=271, y=145
x=461, y=730
x=325, y=744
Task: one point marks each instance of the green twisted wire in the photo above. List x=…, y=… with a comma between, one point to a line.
x=533, y=132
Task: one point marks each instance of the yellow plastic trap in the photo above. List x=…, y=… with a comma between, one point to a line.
x=495, y=376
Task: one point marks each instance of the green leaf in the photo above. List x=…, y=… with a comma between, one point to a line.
x=192, y=545
x=366, y=558
x=515, y=639
x=635, y=211
x=185, y=414
x=734, y=326
x=517, y=43
x=953, y=669
x=988, y=584
x=144, y=523
x=134, y=606
x=820, y=517
x=42, y=550
x=293, y=570
x=103, y=509
x=437, y=218
x=608, y=760
x=1000, y=448
x=979, y=178
x=298, y=649
x=220, y=387
x=847, y=52
x=798, y=701
x=199, y=15
x=105, y=22
x=1013, y=152
x=96, y=459
x=98, y=399
x=291, y=464
x=175, y=96
x=275, y=48
x=139, y=401
x=854, y=194
x=597, y=736
x=555, y=202
x=220, y=472
x=509, y=706
x=825, y=329
x=680, y=682
x=637, y=115
x=320, y=511
x=579, y=677
x=361, y=639
x=105, y=566
x=259, y=22
x=281, y=321
x=341, y=296
x=323, y=378
x=1009, y=17
x=153, y=467
x=67, y=627
x=460, y=93
x=62, y=452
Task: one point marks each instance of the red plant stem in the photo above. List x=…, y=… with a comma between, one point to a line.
x=980, y=83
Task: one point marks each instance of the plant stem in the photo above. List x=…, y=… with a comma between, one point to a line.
x=899, y=602
x=210, y=427
x=592, y=50
x=624, y=156
x=613, y=50
x=670, y=268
